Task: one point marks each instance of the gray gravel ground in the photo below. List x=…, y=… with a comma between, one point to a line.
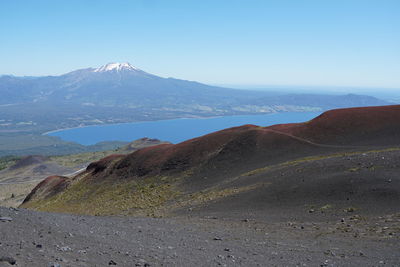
x=45, y=239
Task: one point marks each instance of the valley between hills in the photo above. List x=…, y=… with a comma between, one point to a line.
x=320, y=193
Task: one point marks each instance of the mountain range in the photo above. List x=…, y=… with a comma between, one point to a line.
x=120, y=92
x=123, y=85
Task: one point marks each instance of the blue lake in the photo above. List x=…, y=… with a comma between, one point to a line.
x=176, y=130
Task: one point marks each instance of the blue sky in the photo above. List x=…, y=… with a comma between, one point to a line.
x=247, y=42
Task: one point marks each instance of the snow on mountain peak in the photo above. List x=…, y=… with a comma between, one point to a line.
x=116, y=67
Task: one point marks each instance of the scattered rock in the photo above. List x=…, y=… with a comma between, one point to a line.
x=54, y=264
x=111, y=262
x=10, y=260
x=217, y=238
x=329, y=253
x=65, y=249
x=5, y=219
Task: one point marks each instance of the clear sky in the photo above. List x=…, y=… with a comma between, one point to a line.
x=247, y=42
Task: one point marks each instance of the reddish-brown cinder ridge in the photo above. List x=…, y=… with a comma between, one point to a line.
x=180, y=156
x=350, y=126
x=336, y=128
x=48, y=187
x=103, y=163
x=248, y=147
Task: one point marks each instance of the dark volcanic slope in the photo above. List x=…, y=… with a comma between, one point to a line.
x=355, y=126
x=247, y=169
x=28, y=160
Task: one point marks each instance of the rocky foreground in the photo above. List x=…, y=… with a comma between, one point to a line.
x=29, y=238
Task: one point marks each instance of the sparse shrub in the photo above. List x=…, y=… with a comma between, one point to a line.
x=326, y=207
x=350, y=209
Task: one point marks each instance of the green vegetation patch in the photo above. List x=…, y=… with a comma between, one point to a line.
x=143, y=197
x=355, y=169
x=213, y=194
x=8, y=161
x=326, y=207
x=79, y=159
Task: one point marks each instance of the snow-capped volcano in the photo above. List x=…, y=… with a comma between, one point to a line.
x=115, y=67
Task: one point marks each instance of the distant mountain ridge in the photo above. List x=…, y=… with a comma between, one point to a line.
x=120, y=92
x=123, y=85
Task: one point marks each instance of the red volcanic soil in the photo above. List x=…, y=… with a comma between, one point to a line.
x=102, y=164
x=251, y=146
x=352, y=126
x=245, y=144
x=183, y=155
x=48, y=187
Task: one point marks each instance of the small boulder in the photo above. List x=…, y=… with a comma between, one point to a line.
x=9, y=260
x=5, y=219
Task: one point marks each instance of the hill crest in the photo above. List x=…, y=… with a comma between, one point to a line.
x=225, y=163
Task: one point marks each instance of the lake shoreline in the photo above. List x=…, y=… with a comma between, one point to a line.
x=183, y=118
x=173, y=130
x=120, y=123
